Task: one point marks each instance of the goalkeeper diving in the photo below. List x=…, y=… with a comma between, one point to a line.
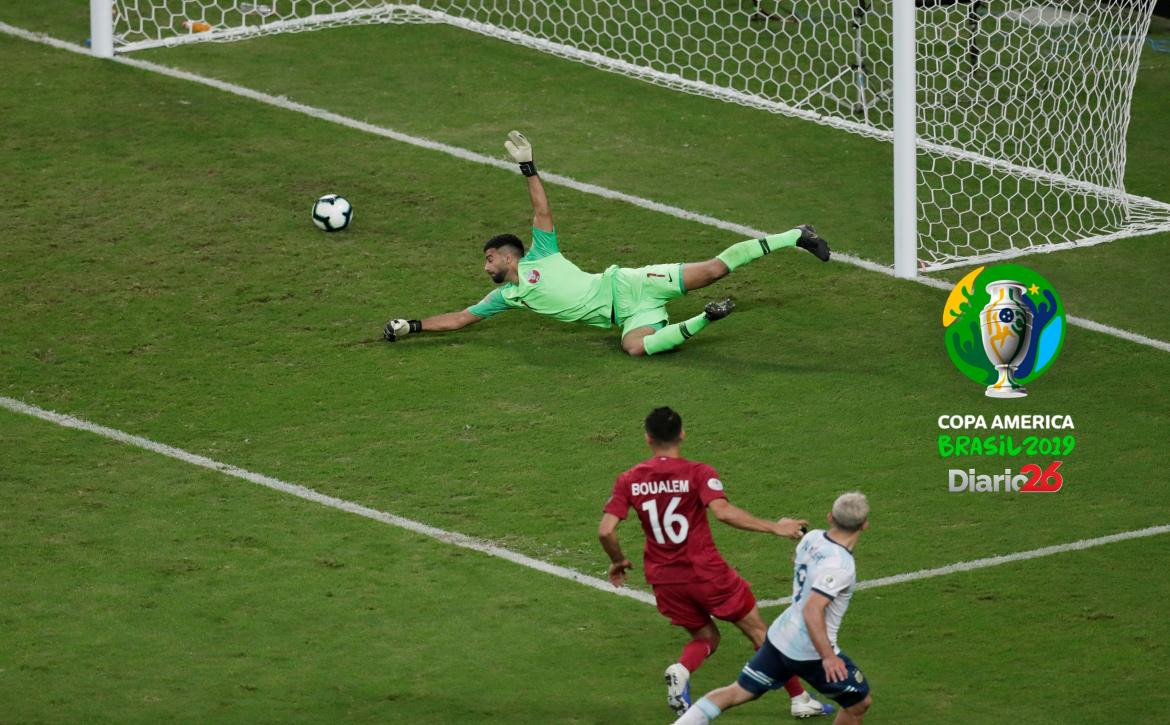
x=541, y=279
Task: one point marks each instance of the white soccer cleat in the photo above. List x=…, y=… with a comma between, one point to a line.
x=678, y=688
x=806, y=706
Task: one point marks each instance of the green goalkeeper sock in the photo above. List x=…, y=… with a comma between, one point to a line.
x=741, y=253
x=671, y=336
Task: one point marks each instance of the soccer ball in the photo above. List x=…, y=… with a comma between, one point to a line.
x=332, y=213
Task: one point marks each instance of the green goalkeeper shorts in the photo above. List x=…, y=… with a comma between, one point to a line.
x=640, y=295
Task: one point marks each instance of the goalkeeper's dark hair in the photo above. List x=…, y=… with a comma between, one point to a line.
x=505, y=240
x=663, y=425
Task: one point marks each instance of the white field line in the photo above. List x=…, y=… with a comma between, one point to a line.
x=1136, y=229
x=1116, y=332
x=710, y=90
x=565, y=181
x=486, y=547
x=244, y=31
x=455, y=151
x=308, y=494
x=996, y=560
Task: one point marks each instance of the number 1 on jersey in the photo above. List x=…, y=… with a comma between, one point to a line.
x=675, y=525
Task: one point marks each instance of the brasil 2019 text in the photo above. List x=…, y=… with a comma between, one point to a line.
x=953, y=446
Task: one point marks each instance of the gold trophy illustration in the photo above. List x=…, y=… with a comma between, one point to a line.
x=1006, y=327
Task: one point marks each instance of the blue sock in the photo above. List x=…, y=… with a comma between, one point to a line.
x=710, y=709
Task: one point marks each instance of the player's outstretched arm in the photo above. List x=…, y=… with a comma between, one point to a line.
x=619, y=564
x=520, y=150
x=541, y=213
x=398, y=328
x=736, y=517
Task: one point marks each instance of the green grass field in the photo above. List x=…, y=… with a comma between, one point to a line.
x=160, y=276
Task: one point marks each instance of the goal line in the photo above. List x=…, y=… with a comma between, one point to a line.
x=1008, y=119
x=550, y=178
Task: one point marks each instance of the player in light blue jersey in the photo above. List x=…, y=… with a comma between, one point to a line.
x=803, y=640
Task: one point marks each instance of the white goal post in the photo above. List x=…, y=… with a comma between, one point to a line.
x=1008, y=117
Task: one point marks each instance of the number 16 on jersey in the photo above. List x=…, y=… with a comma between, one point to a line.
x=673, y=524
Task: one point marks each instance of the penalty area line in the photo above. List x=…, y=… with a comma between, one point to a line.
x=308, y=494
x=486, y=547
x=551, y=178
x=990, y=561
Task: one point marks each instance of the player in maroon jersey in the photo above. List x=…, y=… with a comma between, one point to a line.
x=692, y=583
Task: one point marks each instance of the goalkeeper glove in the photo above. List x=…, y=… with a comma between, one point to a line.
x=400, y=328
x=521, y=151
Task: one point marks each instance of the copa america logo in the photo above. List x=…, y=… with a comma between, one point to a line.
x=1004, y=326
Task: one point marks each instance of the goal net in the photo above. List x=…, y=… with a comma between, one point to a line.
x=1022, y=107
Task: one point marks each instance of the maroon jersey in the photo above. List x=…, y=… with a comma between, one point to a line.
x=671, y=497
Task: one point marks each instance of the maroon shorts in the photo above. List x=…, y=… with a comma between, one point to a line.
x=691, y=605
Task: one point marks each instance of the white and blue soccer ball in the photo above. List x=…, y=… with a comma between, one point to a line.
x=332, y=213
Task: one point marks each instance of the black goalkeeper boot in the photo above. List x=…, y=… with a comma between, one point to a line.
x=810, y=240
x=718, y=310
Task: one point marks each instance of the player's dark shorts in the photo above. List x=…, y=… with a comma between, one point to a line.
x=770, y=669
x=692, y=604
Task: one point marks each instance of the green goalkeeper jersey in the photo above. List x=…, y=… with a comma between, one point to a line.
x=553, y=286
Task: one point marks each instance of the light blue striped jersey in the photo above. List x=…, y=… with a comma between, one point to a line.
x=822, y=565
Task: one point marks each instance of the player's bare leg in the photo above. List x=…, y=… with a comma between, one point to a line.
x=730, y=696
x=648, y=341
x=722, y=699
x=632, y=341
x=802, y=704
x=697, y=275
x=717, y=702
x=754, y=628
x=854, y=714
